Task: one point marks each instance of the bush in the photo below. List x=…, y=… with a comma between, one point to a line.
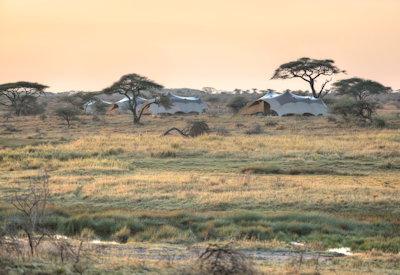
x=32, y=106
x=379, y=122
x=218, y=259
x=221, y=131
x=255, y=130
x=67, y=113
x=357, y=108
x=212, y=99
x=237, y=103
x=100, y=108
x=122, y=235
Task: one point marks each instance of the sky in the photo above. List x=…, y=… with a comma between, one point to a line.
x=225, y=44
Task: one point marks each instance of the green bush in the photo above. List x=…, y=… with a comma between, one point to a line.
x=237, y=103
x=379, y=122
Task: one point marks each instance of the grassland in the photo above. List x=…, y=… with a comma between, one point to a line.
x=303, y=179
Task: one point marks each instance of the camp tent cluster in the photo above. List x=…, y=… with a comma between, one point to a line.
x=178, y=105
x=285, y=104
x=271, y=103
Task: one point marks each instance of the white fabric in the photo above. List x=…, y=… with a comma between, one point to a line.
x=288, y=103
x=123, y=104
x=89, y=106
x=179, y=104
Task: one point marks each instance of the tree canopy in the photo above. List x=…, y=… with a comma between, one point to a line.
x=359, y=88
x=133, y=86
x=358, y=91
x=309, y=70
x=17, y=94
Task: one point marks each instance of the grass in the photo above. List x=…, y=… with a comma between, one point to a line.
x=310, y=180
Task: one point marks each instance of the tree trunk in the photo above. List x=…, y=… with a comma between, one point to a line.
x=144, y=107
x=31, y=246
x=136, y=118
x=314, y=92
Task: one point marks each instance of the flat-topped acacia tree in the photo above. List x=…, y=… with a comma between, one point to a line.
x=17, y=95
x=309, y=70
x=361, y=90
x=133, y=86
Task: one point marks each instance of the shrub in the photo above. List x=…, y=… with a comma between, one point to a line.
x=212, y=99
x=357, y=108
x=67, y=113
x=255, y=130
x=221, y=131
x=32, y=106
x=43, y=117
x=164, y=154
x=271, y=123
x=224, y=259
x=122, y=235
x=237, y=103
x=379, y=122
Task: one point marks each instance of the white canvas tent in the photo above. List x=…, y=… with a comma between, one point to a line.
x=286, y=104
x=90, y=107
x=180, y=105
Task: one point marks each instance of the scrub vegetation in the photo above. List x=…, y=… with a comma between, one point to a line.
x=308, y=180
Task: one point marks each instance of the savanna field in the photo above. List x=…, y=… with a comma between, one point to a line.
x=307, y=180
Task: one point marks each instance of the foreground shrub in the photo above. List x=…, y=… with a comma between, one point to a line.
x=254, y=130
x=379, y=122
x=122, y=235
x=347, y=106
x=221, y=260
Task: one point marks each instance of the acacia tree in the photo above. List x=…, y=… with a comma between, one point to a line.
x=17, y=95
x=67, y=113
x=133, y=86
x=309, y=70
x=360, y=90
x=77, y=99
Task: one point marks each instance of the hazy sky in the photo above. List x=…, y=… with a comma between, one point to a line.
x=226, y=44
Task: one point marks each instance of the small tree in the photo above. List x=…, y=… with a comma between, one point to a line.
x=357, y=100
x=32, y=207
x=78, y=99
x=67, y=113
x=133, y=86
x=32, y=106
x=309, y=70
x=18, y=94
x=237, y=103
x=359, y=88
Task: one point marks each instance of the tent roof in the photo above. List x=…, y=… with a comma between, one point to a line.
x=125, y=99
x=175, y=98
x=288, y=97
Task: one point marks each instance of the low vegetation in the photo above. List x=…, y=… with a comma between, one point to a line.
x=260, y=182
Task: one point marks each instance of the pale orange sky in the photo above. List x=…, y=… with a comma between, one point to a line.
x=226, y=44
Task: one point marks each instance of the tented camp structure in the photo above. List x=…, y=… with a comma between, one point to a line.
x=96, y=106
x=285, y=104
x=179, y=105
